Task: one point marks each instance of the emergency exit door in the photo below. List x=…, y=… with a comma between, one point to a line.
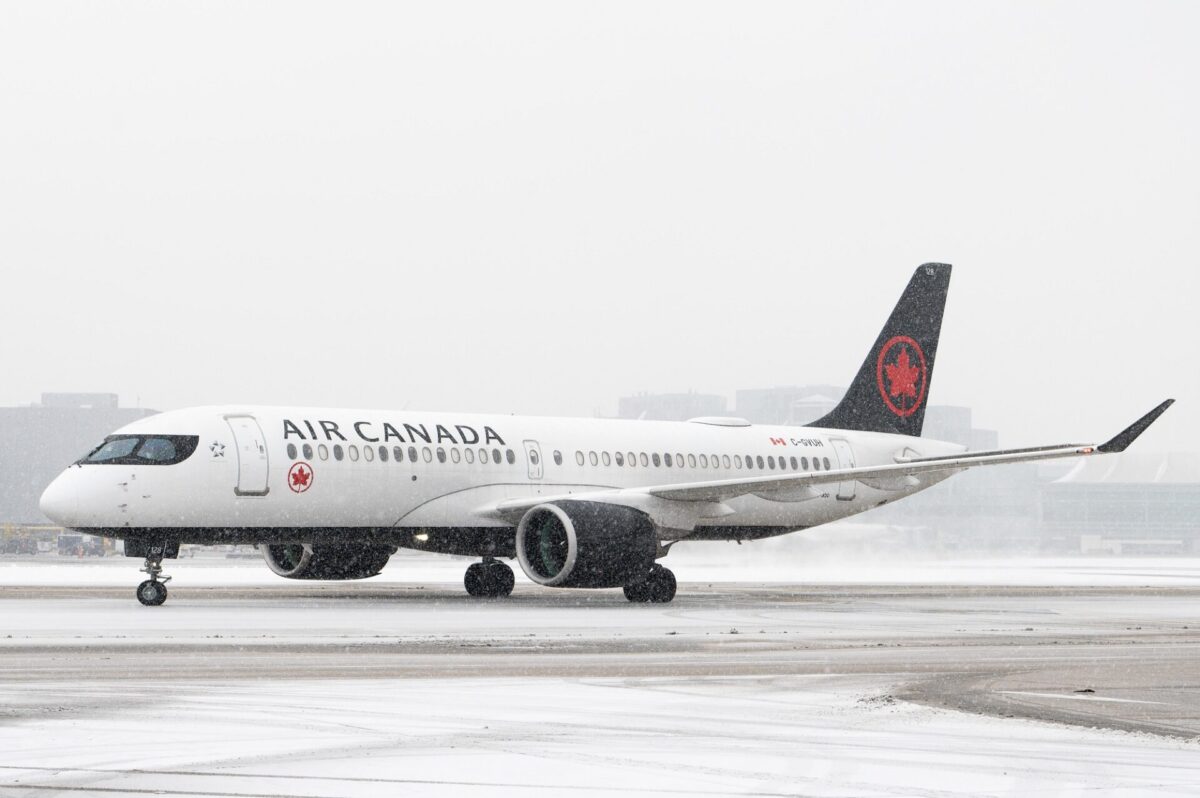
x=533, y=454
x=251, y=447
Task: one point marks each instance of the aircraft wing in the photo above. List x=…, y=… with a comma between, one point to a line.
x=792, y=487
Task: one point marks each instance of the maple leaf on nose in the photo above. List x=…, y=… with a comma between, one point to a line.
x=902, y=375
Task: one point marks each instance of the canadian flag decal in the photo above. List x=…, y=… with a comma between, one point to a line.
x=779, y=441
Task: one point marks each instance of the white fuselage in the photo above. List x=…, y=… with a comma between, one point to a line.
x=270, y=473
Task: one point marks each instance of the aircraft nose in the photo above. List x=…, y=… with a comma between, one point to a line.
x=59, y=500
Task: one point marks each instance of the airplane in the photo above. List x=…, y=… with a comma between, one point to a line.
x=578, y=503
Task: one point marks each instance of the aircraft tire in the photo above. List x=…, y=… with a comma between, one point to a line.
x=152, y=593
x=661, y=585
x=637, y=592
x=489, y=580
x=501, y=580
x=475, y=580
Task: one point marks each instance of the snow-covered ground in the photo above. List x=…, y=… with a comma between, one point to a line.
x=276, y=688
x=719, y=563
x=816, y=735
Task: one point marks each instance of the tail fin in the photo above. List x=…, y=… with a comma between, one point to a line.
x=891, y=388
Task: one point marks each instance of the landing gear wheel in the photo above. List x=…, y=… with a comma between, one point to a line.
x=489, y=579
x=657, y=587
x=662, y=585
x=152, y=593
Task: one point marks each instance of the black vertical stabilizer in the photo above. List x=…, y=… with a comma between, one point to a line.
x=892, y=387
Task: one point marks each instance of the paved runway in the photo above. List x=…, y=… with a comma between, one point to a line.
x=1117, y=657
x=1121, y=658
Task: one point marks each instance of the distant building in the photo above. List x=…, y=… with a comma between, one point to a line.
x=1130, y=503
x=670, y=406
x=794, y=405
x=43, y=439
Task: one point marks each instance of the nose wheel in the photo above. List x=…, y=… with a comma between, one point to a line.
x=489, y=579
x=153, y=592
x=658, y=587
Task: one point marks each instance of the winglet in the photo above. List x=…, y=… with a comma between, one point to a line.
x=1130, y=433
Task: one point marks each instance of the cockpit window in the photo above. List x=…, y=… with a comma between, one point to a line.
x=157, y=449
x=143, y=450
x=112, y=449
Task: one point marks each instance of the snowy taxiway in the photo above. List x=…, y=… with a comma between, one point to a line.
x=245, y=685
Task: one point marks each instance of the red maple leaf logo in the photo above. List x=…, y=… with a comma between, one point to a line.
x=902, y=375
x=300, y=477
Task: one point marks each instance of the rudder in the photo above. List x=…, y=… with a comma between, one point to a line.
x=890, y=391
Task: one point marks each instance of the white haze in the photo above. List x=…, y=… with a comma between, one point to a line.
x=537, y=208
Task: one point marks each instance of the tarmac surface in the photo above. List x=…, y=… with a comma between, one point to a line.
x=842, y=677
x=1113, y=657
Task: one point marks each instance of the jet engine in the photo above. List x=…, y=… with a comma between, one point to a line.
x=326, y=561
x=585, y=544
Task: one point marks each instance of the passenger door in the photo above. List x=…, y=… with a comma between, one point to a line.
x=845, y=457
x=251, y=446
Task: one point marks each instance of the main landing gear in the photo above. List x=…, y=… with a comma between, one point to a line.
x=657, y=587
x=153, y=591
x=489, y=579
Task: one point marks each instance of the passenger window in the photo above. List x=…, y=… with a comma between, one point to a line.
x=412, y=454
x=383, y=454
x=725, y=460
x=533, y=456
x=604, y=458
x=368, y=453
x=483, y=456
x=323, y=451
x=737, y=461
x=632, y=458
x=510, y=456
x=795, y=465
x=644, y=460
x=825, y=462
x=749, y=461
x=397, y=454
x=666, y=460
x=656, y=459
x=704, y=461
x=496, y=456
x=619, y=458
x=579, y=457
x=353, y=453
x=557, y=457
x=427, y=454
x=291, y=450
x=308, y=453
x=816, y=464
x=455, y=455
x=760, y=461
x=469, y=454
x=441, y=454
x=803, y=463
x=679, y=459
x=715, y=461
x=771, y=462
x=338, y=454
x=593, y=458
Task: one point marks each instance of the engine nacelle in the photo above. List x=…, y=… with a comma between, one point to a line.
x=326, y=561
x=585, y=544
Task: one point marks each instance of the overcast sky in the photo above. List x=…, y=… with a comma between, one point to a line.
x=539, y=208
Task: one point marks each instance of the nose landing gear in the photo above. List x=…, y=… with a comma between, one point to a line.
x=489, y=579
x=153, y=591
